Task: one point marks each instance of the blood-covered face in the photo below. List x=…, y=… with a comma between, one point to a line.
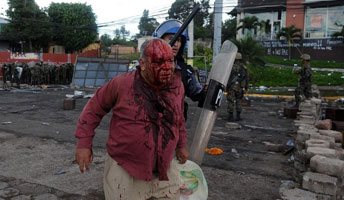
x=158, y=68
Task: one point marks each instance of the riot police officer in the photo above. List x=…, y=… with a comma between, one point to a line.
x=193, y=88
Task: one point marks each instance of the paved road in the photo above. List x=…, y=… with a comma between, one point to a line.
x=37, y=150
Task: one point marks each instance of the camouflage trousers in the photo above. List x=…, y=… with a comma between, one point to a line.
x=303, y=90
x=234, y=100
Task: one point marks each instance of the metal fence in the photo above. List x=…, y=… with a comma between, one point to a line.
x=95, y=72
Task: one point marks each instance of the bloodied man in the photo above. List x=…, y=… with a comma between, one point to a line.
x=146, y=130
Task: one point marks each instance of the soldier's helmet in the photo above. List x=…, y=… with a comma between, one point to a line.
x=172, y=26
x=238, y=56
x=306, y=57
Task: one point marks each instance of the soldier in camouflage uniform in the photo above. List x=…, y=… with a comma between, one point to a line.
x=6, y=75
x=305, y=81
x=36, y=75
x=236, y=87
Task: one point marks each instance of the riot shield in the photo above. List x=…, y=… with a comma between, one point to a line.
x=217, y=82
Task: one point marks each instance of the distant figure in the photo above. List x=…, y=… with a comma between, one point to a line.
x=304, y=88
x=237, y=86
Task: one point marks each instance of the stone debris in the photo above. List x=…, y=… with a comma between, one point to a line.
x=324, y=124
x=232, y=125
x=320, y=183
x=298, y=194
x=338, y=136
x=328, y=166
x=319, y=156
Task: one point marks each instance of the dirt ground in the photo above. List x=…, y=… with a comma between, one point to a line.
x=248, y=169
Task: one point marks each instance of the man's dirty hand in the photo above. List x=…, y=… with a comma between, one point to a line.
x=182, y=155
x=84, y=158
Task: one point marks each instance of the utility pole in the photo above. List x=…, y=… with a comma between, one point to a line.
x=217, y=27
x=191, y=39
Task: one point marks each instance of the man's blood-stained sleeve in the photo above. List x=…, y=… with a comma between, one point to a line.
x=98, y=106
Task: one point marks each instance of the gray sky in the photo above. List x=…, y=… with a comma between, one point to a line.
x=123, y=12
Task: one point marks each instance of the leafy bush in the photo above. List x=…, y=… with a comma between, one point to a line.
x=201, y=50
x=131, y=57
x=272, y=77
x=314, y=63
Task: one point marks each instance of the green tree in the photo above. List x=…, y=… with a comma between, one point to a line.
x=229, y=29
x=75, y=25
x=147, y=24
x=180, y=9
x=121, y=33
x=251, y=50
x=289, y=33
x=106, y=42
x=339, y=34
x=121, y=37
x=250, y=23
x=265, y=27
x=28, y=25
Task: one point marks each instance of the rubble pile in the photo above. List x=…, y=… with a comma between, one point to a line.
x=318, y=157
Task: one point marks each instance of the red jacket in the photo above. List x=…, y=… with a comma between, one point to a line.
x=147, y=125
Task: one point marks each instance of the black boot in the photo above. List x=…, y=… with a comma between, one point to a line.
x=230, y=116
x=237, y=116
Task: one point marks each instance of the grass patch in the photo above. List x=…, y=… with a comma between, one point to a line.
x=131, y=57
x=272, y=77
x=314, y=63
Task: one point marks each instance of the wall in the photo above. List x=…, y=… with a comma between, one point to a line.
x=319, y=49
x=120, y=50
x=140, y=41
x=7, y=57
x=295, y=14
x=255, y=3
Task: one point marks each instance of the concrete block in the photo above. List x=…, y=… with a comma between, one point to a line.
x=306, y=118
x=303, y=135
x=316, y=101
x=324, y=124
x=338, y=136
x=328, y=166
x=307, y=127
x=298, y=194
x=319, y=183
x=232, y=125
x=273, y=147
x=68, y=104
x=303, y=122
x=312, y=151
x=307, y=112
x=311, y=109
x=323, y=137
x=340, y=153
x=317, y=143
x=326, y=197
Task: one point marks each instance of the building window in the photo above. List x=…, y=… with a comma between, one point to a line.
x=271, y=23
x=323, y=22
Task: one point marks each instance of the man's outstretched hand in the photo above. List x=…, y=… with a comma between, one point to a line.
x=182, y=155
x=84, y=157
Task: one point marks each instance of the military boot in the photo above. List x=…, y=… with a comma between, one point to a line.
x=237, y=116
x=230, y=116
